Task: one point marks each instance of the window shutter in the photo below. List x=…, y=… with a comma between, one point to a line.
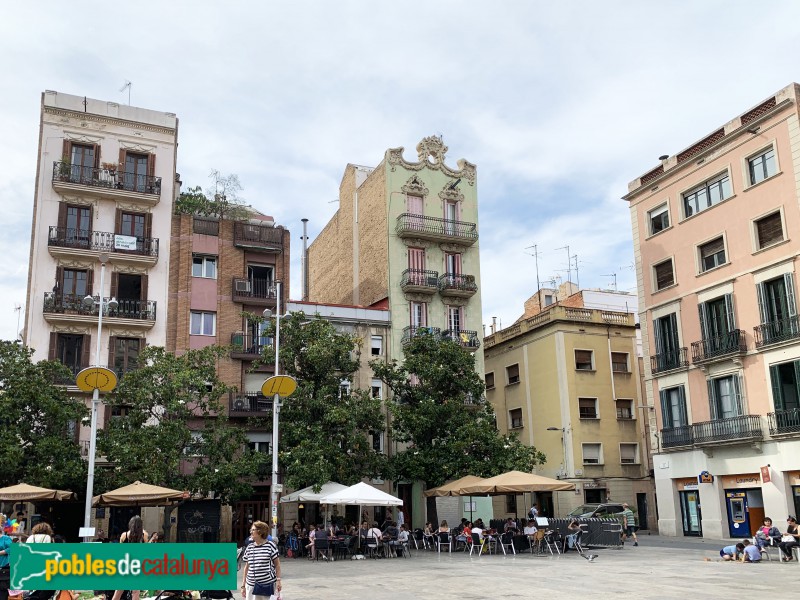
x=777, y=391
x=712, y=400
x=673, y=341
x=148, y=225
x=122, y=160
x=90, y=282
x=664, y=275
x=112, y=347
x=118, y=222
x=458, y=264
x=769, y=230
x=790, y=300
x=62, y=217
x=51, y=352
x=86, y=351
x=666, y=409
x=143, y=296
x=58, y=288
x=729, y=312
x=762, y=303
x=738, y=389
x=114, y=291
x=151, y=165
x=659, y=343
x=701, y=309
x=425, y=314
x=97, y=156
x=682, y=405
x=66, y=150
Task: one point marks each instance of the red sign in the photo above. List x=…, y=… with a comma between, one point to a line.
x=765, y=474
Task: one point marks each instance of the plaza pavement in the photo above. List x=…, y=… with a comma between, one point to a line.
x=660, y=567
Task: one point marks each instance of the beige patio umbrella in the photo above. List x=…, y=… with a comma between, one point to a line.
x=139, y=494
x=452, y=488
x=22, y=492
x=516, y=482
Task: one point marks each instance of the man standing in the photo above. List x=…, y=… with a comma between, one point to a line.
x=533, y=512
x=630, y=524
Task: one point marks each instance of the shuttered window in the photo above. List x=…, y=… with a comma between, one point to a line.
x=515, y=418
x=489, y=381
x=712, y=254
x=512, y=374
x=769, y=230
x=592, y=454
x=619, y=362
x=659, y=219
x=665, y=276
x=583, y=360
x=629, y=454
x=587, y=408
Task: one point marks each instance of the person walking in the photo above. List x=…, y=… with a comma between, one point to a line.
x=135, y=535
x=630, y=524
x=262, y=566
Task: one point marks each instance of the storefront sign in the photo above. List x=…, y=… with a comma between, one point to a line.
x=748, y=480
x=793, y=477
x=765, y=474
x=705, y=477
x=690, y=483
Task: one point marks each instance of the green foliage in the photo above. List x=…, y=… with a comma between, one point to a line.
x=222, y=202
x=37, y=441
x=325, y=432
x=173, y=430
x=448, y=430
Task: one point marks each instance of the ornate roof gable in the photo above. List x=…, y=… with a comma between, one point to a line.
x=431, y=154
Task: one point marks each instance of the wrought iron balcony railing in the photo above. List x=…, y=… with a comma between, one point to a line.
x=743, y=427
x=72, y=304
x=254, y=291
x=784, y=421
x=457, y=284
x=411, y=332
x=106, y=178
x=668, y=361
x=677, y=436
x=258, y=237
x=245, y=345
x=733, y=342
x=466, y=338
x=419, y=280
x=102, y=241
x=777, y=331
x=242, y=403
x=423, y=226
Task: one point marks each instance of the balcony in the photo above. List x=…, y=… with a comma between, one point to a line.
x=457, y=285
x=248, y=404
x=419, y=281
x=720, y=346
x=775, y=332
x=670, y=361
x=261, y=238
x=68, y=243
x=106, y=183
x=69, y=308
x=732, y=429
x=260, y=292
x=676, y=437
x=69, y=380
x=464, y=338
x=410, y=225
x=783, y=422
x=248, y=347
x=411, y=332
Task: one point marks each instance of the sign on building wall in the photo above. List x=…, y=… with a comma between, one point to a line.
x=747, y=480
x=765, y=476
x=124, y=242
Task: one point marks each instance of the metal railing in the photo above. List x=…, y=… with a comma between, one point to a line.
x=419, y=278
x=247, y=344
x=458, y=282
x=411, y=332
x=106, y=178
x=784, y=421
x=248, y=402
x=103, y=241
x=677, y=436
x=257, y=236
x=415, y=223
x=205, y=226
x=259, y=289
x=777, y=331
x=743, y=427
x=733, y=342
x=465, y=337
x=69, y=379
x=667, y=361
x=55, y=303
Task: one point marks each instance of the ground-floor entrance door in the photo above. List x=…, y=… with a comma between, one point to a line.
x=244, y=514
x=690, y=512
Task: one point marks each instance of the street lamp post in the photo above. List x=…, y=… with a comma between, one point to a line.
x=276, y=410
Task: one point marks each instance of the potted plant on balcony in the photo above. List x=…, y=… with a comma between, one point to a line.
x=64, y=168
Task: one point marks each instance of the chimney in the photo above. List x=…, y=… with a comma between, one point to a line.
x=304, y=260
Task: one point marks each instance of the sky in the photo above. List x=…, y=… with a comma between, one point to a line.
x=559, y=104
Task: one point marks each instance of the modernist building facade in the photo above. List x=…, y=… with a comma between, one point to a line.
x=566, y=380
x=405, y=237
x=715, y=237
x=103, y=199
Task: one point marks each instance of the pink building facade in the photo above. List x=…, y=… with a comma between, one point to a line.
x=715, y=231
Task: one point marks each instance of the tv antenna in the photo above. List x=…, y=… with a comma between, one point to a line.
x=569, y=262
x=535, y=255
x=614, y=275
x=128, y=85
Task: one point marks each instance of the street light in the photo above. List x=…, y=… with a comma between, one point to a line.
x=95, y=379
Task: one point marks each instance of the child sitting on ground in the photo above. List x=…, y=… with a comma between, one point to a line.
x=732, y=552
x=752, y=553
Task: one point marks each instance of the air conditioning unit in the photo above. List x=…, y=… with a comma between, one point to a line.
x=238, y=404
x=242, y=285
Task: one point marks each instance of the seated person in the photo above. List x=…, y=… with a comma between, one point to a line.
x=476, y=529
x=767, y=534
x=510, y=525
x=792, y=538
x=465, y=533
x=731, y=552
x=443, y=528
x=479, y=524
x=390, y=531
x=530, y=528
x=573, y=531
x=751, y=552
x=374, y=535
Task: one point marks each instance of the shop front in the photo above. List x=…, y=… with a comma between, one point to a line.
x=689, y=498
x=794, y=483
x=744, y=503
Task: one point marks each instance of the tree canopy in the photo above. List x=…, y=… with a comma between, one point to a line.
x=222, y=201
x=325, y=427
x=439, y=416
x=169, y=428
x=38, y=443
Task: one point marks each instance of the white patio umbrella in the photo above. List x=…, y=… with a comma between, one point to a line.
x=309, y=495
x=361, y=494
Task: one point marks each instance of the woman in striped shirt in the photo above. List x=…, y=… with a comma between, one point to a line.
x=262, y=564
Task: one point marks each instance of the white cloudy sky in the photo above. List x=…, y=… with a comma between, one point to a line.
x=560, y=104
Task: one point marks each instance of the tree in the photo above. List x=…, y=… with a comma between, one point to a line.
x=222, y=201
x=440, y=416
x=325, y=426
x=39, y=421
x=172, y=429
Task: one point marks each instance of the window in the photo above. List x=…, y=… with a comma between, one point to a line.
x=126, y=354
x=512, y=374
x=74, y=282
x=725, y=397
x=202, y=323
x=344, y=388
x=717, y=323
x=619, y=362
x=452, y=264
x=587, y=408
x=419, y=314
x=376, y=345
x=515, y=418
x=260, y=447
x=785, y=378
x=673, y=407
x=489, y=378
x=777, y=307
x=377, y=388
x=664, y=275
x=624, y=410
x=377, y=440
x=69, y=351
x=583, y=360
x=83, y=161
x=455, y=318
x=712, y=254
x=769, y=230
x=136, y=171
x=629, y=454
x=511, y=503
x=762, y=166
x=548, y=299
x=204, y=266
x=707, y=195
x=659, y=219
x=592, y=454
